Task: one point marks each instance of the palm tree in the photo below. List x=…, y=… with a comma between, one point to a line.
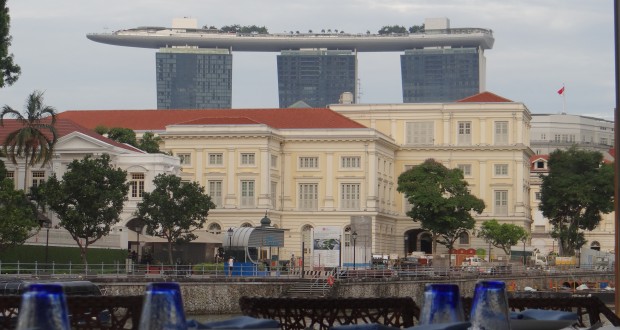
x=35, y=139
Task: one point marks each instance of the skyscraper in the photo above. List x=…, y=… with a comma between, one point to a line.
x=315, y=77
x=194, y=78
x=442, y=75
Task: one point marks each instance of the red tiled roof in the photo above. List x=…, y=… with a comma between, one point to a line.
x=145, y=120
x=63, y=127
x=537, y=157
x=485, y=97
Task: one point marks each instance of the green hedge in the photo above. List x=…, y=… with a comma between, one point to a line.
x=36, y=253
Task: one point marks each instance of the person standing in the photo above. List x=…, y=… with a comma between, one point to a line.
x=231, y=262
x=293, y=262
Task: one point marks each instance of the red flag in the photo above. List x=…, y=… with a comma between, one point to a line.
x=561, y=91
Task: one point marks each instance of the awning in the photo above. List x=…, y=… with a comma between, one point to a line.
x=253, y=237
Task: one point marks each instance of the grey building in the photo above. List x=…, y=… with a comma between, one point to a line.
x=315, y=77
x=442, y=75
x=561, y=131
x=194, y=78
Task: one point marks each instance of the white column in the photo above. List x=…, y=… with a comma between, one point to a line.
x=371, y=183
x=518, y=188
x=288, y=182
x=482, y=189
x=483, y=133
x=200, y=167
x=264, y=201
x=231, y=195
x=328, y=204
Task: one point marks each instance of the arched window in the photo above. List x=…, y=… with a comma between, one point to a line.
x=595, y=246
x=214, y=228
x=347, y=235
x=246, y=224
x=464, y=238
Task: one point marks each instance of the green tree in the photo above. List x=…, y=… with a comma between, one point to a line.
x=88, y=200
x=123, y=135
x=150, y=143
x=18, y=215
x=174, y=210
x=9, y=71
x=577, y=189
x=3, y=171
x=389, y=29
x=503, y=236
x=440, y=201
x=35, y=139
x=102, y=129
x=416, y=29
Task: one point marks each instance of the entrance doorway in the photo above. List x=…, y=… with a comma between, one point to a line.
x=418, y=240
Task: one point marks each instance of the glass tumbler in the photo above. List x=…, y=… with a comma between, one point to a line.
x=163, y=308
x=442, y=304
x=489, y=308
x=43, y=306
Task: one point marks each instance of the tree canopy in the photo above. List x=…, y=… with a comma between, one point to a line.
x=88, y=200
x=236, y=28
x=174, y=210
x=35, y=139
x=149, y=143
x=389, y=29
x=416, y=29
x=503, y=236
x=440, y=200
x=577, y=189
x=18, y=215
x=9, y=71
x=123, y=135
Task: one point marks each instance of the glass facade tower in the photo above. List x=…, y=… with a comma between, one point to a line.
x=194, y=78
x=442, y=75
x=316, y=77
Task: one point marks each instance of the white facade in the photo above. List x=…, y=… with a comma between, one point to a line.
x=76, y=145
x=560, y=131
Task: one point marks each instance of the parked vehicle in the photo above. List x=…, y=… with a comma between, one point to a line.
x=473, y=261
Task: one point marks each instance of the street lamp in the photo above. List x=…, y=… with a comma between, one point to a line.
x=230, y=235
x=138, y=229
x=47, y=225
x=523, y=252
x=354, y=237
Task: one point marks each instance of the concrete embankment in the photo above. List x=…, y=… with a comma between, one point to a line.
x=221, y=295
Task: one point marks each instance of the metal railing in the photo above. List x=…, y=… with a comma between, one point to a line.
x=128, y=268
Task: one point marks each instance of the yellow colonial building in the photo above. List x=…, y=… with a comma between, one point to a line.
x=337, y=167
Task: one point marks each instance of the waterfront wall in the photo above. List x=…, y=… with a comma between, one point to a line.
x=221, y=296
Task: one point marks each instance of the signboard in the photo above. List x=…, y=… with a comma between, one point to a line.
x=326, y=246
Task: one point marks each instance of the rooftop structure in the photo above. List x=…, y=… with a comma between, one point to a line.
x=458, y=70
x=162, y=37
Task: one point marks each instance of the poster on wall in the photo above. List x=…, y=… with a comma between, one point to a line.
x=326, y=246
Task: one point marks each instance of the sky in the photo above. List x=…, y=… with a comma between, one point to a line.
x=539, y=47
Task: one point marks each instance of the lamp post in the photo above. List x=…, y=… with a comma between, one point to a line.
x=47, y=225
x=138, y=230
x=523, y=252
x=354, y=237
x=230, y=235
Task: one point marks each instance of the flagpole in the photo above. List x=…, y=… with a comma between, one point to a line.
x=563, y=99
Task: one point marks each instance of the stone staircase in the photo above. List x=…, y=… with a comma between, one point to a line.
x=315, y=288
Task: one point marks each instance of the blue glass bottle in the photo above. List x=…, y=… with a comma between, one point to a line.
x=489, y=309
x=43, y=306
x=442, y=304
x=163, y=308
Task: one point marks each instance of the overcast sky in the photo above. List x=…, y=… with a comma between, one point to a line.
x=539, y=47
